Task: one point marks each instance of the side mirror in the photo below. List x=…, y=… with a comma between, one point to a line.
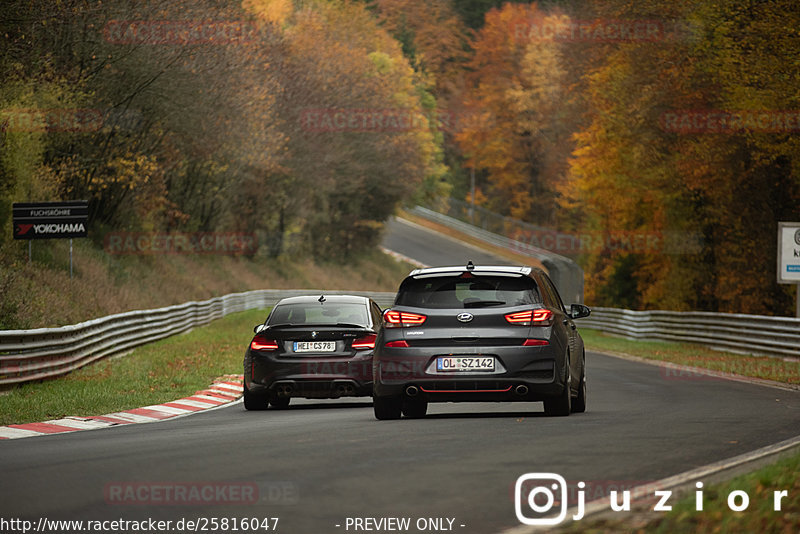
x=258, y=328
x=576, y=311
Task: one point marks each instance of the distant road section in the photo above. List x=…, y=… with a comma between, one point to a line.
x=431, y=248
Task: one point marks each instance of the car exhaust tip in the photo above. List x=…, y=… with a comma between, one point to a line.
x=412, y=391
x=521, y=390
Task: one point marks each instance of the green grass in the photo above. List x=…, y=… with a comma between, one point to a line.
x=159, y=372
x=760, y=515
x=777, y=369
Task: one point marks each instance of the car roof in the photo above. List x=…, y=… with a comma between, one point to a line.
x=329, y=299
x=474, y=269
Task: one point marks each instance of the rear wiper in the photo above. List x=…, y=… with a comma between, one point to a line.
x=483, y=303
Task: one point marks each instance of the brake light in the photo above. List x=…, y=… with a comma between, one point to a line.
x=261, y=343
x=399, y=343
x=397, y=319
x=363, y=343
x=535, y=343
x=540, y=317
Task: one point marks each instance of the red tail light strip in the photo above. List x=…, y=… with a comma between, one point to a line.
x=540, y=317
x=364, y=343
x=535, y=343
x=397, y=319
x=260, y=343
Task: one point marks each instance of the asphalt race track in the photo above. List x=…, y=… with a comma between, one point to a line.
x=319, y=463
x=423, y=245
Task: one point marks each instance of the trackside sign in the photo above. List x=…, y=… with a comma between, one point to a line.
x=789, y=253
x=50, y=220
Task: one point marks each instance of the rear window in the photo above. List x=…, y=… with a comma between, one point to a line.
x=315, y=313
x=473, y=292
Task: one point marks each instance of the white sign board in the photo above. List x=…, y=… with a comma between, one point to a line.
x=789, y=253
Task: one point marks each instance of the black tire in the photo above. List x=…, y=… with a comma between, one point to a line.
x=579, y=402
x=279, y=403
x=254, y=401
x=562, y=405
x=415, y=408
x=387, y=408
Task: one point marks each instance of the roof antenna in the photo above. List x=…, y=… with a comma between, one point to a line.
x=470, y=265
x=321, y=299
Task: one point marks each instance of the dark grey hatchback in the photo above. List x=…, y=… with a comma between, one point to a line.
x=478, y=334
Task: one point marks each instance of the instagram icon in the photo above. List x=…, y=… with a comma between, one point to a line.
x=537, y=496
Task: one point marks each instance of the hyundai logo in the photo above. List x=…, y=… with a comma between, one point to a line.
x=465, y=317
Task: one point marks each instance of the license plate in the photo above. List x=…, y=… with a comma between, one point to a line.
x=315, y=346
x=465, y=363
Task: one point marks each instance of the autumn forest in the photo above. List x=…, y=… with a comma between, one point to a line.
x=310, y=122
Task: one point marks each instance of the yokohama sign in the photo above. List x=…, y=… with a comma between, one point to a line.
x=51, y=220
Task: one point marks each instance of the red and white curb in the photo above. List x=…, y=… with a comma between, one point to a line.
x=224, y=390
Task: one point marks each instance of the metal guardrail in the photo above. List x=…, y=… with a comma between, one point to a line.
x=739, y=333
x=566, y=274
x=27, y=355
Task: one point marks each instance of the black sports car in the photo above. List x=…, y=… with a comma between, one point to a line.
x=479, y=334
x=313, y=347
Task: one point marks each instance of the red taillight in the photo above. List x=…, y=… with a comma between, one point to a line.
x=539, y=317
x=399, y=343
x=397, y=319
x=535, y=343
x=261, y=343
x=364, y=343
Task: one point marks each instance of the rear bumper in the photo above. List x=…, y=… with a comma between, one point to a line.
x=461, y=390
x=315, y=378
x=310, y=388
x=522, y=374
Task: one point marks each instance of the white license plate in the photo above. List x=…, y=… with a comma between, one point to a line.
x=465, y=363
x=315, y=346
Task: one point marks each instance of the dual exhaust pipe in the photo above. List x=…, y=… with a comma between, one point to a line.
x=345, y=389
x=284, y=391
